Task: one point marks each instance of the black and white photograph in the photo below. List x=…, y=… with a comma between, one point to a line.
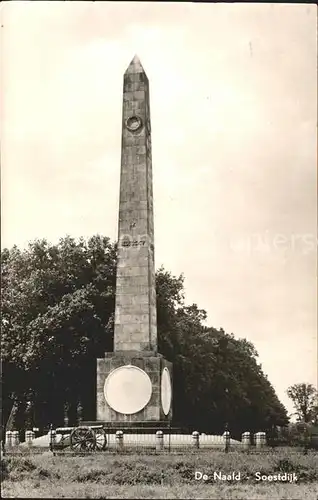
x=159, y=250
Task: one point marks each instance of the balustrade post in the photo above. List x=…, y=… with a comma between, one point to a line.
x=246, y=440
x=120, y=440
x=159, y=440
x=15, y=438
x=9, y=439
x=52, y=438
x=29, y=436
x=195, y=439
x=226, y=440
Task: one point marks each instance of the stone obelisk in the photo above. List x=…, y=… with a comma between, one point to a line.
x=134, y=383
x=135, y=314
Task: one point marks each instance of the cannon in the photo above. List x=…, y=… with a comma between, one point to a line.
x=90, y=438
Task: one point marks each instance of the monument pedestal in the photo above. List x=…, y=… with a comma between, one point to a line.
x=134, y=387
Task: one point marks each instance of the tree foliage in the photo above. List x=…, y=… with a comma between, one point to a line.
x=58, y=306
x=305, y=399
x=57, y=317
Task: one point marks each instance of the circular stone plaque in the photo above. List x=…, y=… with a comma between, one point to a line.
x=133, y=123
x=166, y=391
x=127, y=389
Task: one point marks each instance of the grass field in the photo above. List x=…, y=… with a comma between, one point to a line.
x=160, y=476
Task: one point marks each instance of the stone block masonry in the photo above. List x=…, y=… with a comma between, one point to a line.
x=135, y=280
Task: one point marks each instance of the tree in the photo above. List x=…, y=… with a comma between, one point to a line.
x=305, y=399
x=57, y=317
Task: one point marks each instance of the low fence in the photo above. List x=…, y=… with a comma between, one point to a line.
x=149, y=439
x=171, y=441
x=59, y=441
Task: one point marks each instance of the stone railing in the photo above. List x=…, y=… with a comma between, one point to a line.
x=158, y=441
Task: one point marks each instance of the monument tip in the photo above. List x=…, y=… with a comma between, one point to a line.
x=136, y=59
x=135, y=66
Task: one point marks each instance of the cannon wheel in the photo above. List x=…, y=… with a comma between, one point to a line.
x=83, y=439
x=101, y=439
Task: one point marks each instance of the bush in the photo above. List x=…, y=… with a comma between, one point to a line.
x=19, y=468
x=298, y=434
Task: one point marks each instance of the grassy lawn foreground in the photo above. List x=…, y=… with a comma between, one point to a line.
x=158, y=476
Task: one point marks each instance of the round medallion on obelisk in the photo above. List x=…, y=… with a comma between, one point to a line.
x=133, y=123
x=127, y=389
x=166, y=391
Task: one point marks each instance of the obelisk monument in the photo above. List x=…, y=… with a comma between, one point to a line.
x=134, y=383
x=135, y=316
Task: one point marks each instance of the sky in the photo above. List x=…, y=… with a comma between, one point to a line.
x=233, y=97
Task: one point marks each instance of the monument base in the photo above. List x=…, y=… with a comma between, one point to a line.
x=134, y=387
